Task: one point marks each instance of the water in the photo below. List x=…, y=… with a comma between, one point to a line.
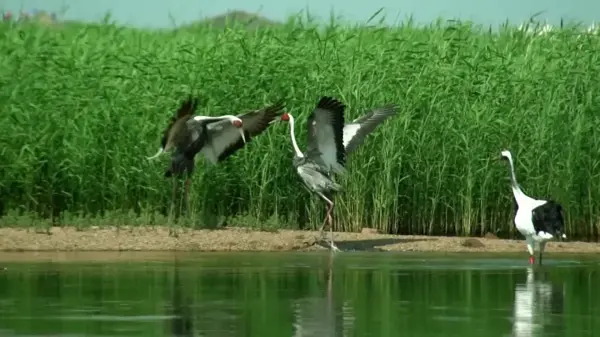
x=302, y=294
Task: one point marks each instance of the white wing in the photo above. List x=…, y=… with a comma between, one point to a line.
x=222, y=136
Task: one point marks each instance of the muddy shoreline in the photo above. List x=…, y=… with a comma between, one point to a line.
x=156, y=239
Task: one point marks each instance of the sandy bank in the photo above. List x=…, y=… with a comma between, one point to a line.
x=240, y=239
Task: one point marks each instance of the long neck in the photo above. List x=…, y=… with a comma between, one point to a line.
x=293, y=136
x=513, y=182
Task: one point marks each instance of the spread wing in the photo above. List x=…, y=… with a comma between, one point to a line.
x=356, y=132
x=185, y=110
x=196, y=140
x=224, y=138
x=325, y=134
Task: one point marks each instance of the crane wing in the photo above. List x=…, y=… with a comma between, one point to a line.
x=325, y=134
x=178, y=121
x=355, y=132
x=316, y=179
x=176, y=126
x=224, y=138
x=197, y=136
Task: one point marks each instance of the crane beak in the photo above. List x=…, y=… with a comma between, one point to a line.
x=243, y=135
x=160, y=151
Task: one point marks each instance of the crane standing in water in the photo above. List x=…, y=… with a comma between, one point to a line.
x=538, y=220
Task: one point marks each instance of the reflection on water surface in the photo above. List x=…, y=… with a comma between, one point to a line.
x=353, y=294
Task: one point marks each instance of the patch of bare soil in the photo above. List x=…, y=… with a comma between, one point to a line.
x=155, y=239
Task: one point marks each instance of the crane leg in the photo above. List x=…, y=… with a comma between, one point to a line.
x=331, y=243
x=174, y=196
x=325, y=221
x=542, y=246
x=173, y=208
x=329, y=219
x=186, y=192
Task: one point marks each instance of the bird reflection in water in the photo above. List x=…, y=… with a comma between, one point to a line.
x=322, y=316
x=539, y=307
x=181, y=311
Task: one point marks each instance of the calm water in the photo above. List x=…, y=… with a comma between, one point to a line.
x=264, y=294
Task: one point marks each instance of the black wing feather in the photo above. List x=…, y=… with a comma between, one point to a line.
x=333, y=109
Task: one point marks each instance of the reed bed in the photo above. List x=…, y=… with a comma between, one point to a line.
x=82, y=105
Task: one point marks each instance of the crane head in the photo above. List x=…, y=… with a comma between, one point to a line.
x=285, y=117
x=506, y=155
x=237, y=123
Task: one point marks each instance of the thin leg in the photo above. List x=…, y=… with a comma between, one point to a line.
x=542, y=247
x=174, y=205
x=530, y=244
x=330, y=285
x=174, y=197
x=174, y=190
x=325, y=220
x=188, y=182
x=331, y=243
x=329, y=219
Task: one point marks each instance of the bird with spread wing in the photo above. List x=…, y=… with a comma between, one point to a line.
x=216, y=138
x=330, y=140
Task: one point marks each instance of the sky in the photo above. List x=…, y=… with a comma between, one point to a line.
x=161, y=13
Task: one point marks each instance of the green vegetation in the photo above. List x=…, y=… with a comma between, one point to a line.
x=82, y=105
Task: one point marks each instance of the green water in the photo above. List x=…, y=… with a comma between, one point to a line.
x=303, y=294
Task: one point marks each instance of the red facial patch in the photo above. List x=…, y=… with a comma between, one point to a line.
x=237, y=123
x=285, y=117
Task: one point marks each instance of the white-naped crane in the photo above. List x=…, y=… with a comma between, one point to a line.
x=539, y=221
x=329, y=141
x=216, y=138
x=325, y=138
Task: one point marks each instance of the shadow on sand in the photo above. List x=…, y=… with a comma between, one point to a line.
x=369, y=245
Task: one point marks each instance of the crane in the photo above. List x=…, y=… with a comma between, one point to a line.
x=216, y=138
x=537, y=220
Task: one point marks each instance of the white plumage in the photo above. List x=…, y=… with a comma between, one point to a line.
x=527, y=207
x=535, y=303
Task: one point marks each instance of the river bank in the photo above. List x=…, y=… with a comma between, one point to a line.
x=242, y=239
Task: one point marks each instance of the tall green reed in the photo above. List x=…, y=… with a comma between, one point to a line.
x=83, y=105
